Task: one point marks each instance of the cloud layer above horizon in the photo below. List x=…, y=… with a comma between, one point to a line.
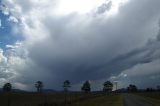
x=117, y=40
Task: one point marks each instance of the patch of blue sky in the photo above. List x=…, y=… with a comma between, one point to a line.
x=7, y=37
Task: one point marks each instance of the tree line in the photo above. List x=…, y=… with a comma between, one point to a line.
x=86, y=87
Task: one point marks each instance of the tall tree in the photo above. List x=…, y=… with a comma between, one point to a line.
x=66, y=85
x=132, y=88
x=86, y=87
x=107, y=86
x=158, y=87
x=7, y=87
x=39, y=85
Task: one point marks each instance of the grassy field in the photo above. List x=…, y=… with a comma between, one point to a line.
x=58, y=99
x=72, y=99
x=152, y=97
x=107, y=100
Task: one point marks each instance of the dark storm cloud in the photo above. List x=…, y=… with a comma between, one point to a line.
x=99, y=50
x=82, y=48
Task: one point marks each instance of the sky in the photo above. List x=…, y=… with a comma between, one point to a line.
x=78, y=40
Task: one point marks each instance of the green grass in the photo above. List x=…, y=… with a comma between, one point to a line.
x=73, y=99
x=153, y=98
x=107, y=100
x=30, y=99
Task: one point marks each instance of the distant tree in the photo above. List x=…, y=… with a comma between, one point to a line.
x=7, y=87
x=132, y=88
x=150, y=90
x=39, y=85
x=86, y=87
x=108, y=86
x=158, y=88
x=66, y=85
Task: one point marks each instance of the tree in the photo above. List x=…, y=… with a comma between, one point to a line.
x=7, y=87
x=150, y=90
x=108, y=86
x=158, y=87
x=132, y=88
x=86, y=87
x=66, y=85
x=39, y=86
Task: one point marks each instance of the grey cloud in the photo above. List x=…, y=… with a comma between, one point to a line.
x=143, y=81
x=4, y=74
x=104, y=7
x=158, y=36
x=79, y=50
x=140, y=67
x=100, y=50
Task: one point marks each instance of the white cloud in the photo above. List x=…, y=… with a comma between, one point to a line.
x=12, y=62
x=2, y=57
x=13, y=19
x=4, y=9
